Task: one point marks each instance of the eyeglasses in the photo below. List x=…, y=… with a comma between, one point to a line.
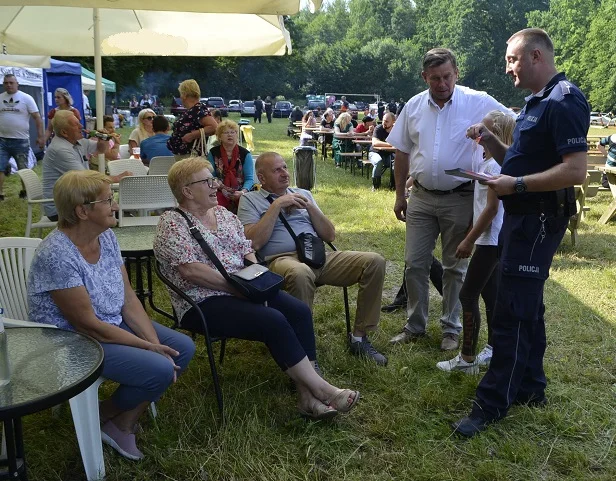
x=109, y=201
x=229, y=132
x=210, y=181
x=148, y=118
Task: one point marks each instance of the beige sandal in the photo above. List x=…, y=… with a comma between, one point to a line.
x=340, y=402
x=318, y=411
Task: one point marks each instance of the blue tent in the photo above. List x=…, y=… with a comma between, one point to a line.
x=66, y=75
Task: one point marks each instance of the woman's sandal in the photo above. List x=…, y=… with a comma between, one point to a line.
x=340, y=402
x=318, y=411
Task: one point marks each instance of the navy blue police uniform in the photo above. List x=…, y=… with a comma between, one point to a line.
x=553, y=123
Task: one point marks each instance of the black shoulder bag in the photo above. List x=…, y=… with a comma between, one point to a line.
x=256, y=282
x=310, y=248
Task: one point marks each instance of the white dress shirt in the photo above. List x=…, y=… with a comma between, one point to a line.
x=436, y=139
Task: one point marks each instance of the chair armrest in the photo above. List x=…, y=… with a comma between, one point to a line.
x=19, y=323
x=183, y=295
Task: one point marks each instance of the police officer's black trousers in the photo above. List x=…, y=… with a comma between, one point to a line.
x=516, y=374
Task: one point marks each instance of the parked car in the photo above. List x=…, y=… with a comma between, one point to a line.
x=235, y=105
x=176, y=106
x=248, y=108
x=315, y=105
x=217, y=103
x=282, y=109
x=599, y=118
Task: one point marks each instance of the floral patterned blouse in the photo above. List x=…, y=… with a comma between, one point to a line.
x=174, y=245
x=188, y=121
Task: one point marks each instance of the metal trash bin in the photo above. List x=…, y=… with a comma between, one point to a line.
x=304, y=167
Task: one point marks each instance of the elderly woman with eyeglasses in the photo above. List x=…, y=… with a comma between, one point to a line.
x=143, y=131
x=77, y=281
x=188, y=126
x=284, y=325
x=64, y=101
x=232, y=164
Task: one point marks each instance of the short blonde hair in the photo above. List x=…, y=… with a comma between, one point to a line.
x=61, y=120
x=225, y=125
x=189, y=88
x=180, y=173
x=74, y=188
x=503, y=126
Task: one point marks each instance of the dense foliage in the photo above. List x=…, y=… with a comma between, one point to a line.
x=376, y=47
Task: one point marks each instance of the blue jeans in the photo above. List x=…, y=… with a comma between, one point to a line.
x=144, y=375
x=16, y=148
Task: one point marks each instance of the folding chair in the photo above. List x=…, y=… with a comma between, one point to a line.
x=208, y=339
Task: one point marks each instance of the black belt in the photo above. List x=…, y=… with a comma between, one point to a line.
x=442, y=192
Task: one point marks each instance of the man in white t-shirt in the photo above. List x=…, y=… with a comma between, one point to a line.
x=430, y=136
x=16, y=108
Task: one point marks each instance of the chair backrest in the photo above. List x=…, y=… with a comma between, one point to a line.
x=124, y=151
x=144, y=192
x=135, y=166
x=161, y=165
x=32, y=184
x=16, y=255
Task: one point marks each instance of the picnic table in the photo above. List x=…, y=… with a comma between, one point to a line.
x=611, y=178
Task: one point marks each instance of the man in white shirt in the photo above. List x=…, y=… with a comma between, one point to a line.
x=430, y=136
x=16, y=108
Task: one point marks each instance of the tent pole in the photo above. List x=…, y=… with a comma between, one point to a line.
x=98, y=73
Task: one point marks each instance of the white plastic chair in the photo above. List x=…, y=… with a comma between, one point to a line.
x=16, y=255
x=144, y=193
x=124, y=151
x=134, y=166
x=161, y=165
x=34, y=193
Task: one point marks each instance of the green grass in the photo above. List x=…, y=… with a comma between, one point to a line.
x=400, y=429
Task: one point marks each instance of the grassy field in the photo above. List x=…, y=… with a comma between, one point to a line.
x=400, y=429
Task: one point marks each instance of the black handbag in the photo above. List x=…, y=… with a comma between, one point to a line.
x=310, y=248
x=255, y=282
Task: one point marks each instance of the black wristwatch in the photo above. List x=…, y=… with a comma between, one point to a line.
x=519, y=187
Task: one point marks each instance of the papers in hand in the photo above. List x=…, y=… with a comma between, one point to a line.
x=468, y=174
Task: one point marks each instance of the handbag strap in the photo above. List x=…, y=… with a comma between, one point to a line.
x=206, y=248
x=284, y=221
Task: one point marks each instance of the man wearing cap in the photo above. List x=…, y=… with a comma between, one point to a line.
x=16, y=108
x=381, y=160
x=429, y=137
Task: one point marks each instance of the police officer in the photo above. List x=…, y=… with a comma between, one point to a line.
x=547, y=157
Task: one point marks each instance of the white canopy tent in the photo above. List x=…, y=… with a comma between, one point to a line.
x=124, y=27
x=34, y=61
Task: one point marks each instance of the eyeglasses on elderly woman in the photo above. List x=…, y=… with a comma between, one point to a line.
x=109, y=201
x=210, y=181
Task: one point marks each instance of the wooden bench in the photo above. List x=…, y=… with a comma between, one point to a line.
x=347, y=158
x=368, y=165
x=583, y=192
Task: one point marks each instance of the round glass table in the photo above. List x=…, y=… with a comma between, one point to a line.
x=48, y=367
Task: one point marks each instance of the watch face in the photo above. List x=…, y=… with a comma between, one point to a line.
x=520, y=186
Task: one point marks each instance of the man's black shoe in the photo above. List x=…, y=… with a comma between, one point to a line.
x=394, y=306
x=471, y=425
x=365, y=349
x=23, y=194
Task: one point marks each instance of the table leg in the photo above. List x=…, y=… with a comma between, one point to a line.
x=15, y=459
x=611, y=210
